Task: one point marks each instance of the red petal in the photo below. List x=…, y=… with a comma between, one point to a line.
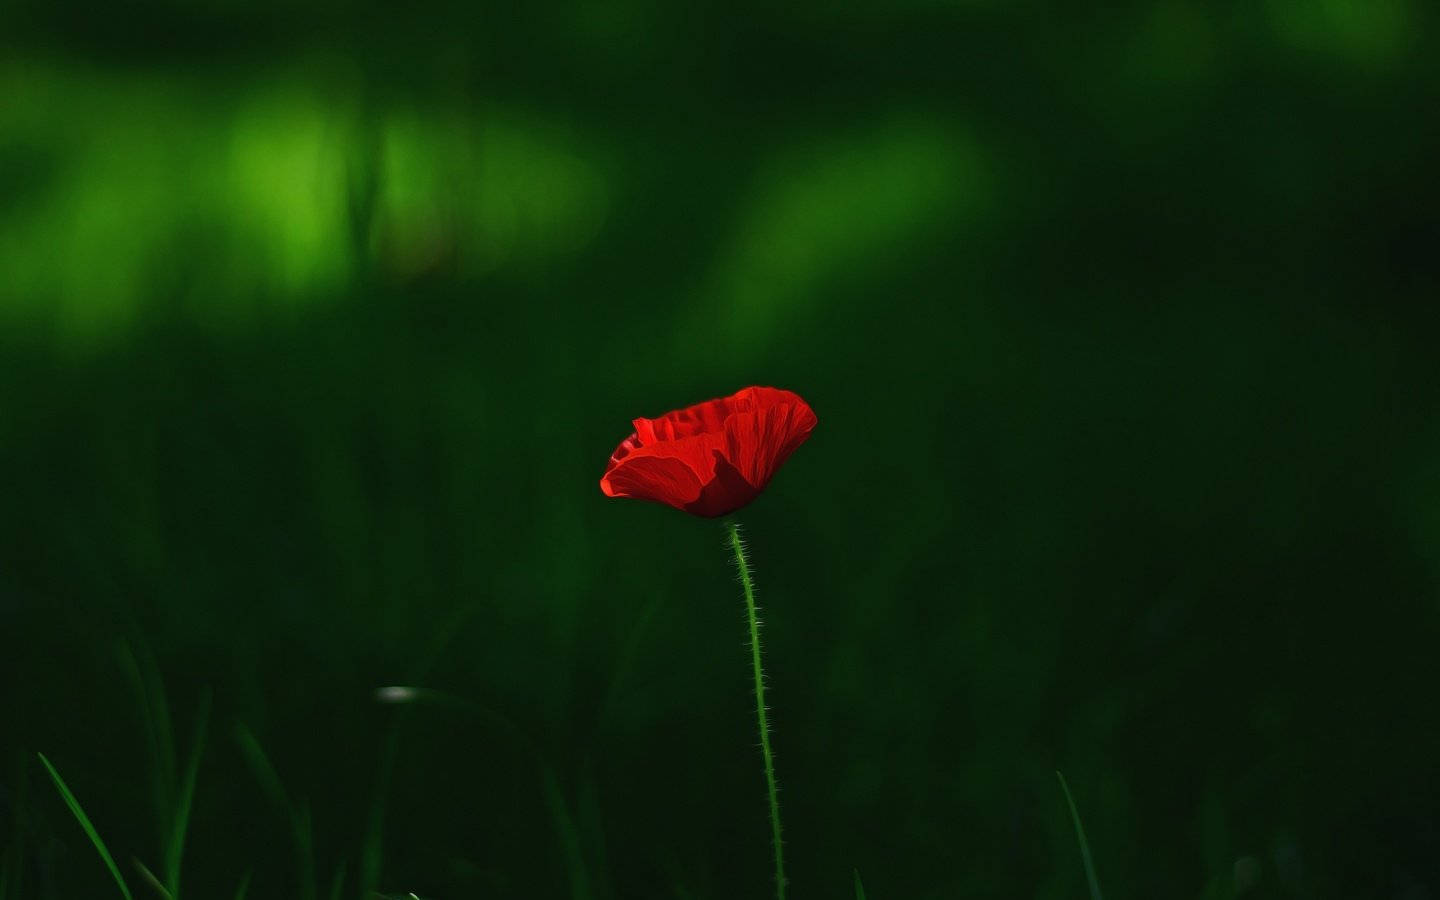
x=622, y=451
x=657, y=479
x=702, y=418
x=669, y=472
x=723, y=494
x=711, y=458
x=759, y=442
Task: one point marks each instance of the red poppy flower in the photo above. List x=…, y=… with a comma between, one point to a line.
x=712, y=458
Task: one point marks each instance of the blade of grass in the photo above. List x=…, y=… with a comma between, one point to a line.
x=298, y=815
x=305, y=851
x=569, y=837
x=149, y=878
x=264, y=771
x=89, y=829
x=568, y=834
x=589, y=820
x=337, y=883
x=1084, y=844
x=155, y=716
x=859, y=888
x=180, y=824
x=373, y=847
x=244, y=887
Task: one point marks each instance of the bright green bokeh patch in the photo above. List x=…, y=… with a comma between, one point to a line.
x=478, y=195
x=238, y=201
x=829, y=212
x=1366, y=33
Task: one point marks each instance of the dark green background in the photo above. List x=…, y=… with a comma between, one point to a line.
x=318, y=323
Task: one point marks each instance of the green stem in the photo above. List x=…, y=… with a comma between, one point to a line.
x=743, y=565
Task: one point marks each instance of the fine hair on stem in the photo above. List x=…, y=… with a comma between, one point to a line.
x=742, y=563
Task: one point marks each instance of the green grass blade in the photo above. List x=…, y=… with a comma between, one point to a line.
x=859, y=888
x=569, y=836
x=180, y=824
x=337, y=883
x=1084, y=844
x=149, y=878
x=155, y=716
x=298, y=815
x=264, y=772
x=305, y=851
x=244, y=887
x=372, y=849
x=589, y=820
x=84, y=821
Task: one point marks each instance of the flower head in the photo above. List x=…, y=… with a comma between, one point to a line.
x=712, y=458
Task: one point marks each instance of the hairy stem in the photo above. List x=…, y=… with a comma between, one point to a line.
x=733, y=532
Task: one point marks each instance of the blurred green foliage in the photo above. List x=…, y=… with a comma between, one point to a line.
x=318, y=323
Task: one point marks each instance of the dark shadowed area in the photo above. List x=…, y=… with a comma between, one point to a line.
x=318, y=323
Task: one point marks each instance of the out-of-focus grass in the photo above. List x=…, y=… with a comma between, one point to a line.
x=94, y=837
x=294, y=812
x=229, y=196
x=314, y=336
x=1090, y=877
